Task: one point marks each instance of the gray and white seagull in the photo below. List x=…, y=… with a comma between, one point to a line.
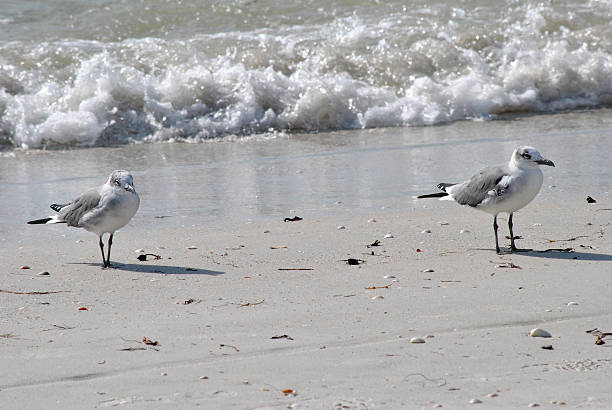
x=100, y=210
x=504, y=188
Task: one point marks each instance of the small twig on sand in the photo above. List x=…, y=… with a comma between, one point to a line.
x=379, y=287
x=33, y=293
x=568, y=239
x=282, y=337
x=249, y=303
x=233, y=347
x=507, y=265
x=58, y=327
x=568, y=250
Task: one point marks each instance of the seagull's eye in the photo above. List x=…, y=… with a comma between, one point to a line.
x=526, y=155
x=116, y=181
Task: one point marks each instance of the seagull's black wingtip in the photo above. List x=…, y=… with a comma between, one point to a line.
x=39, y=221
x=436, y=195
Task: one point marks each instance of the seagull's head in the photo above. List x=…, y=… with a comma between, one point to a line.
x=529, y=157
x=122, y=179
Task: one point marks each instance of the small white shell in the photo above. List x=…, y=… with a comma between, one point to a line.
x=572, y=304
x=537, y=332
x=475, y=401
x=341, y=227
x=378, y=297
x=388, y=277
x=417, y=340
x=371, y=220
x=388, y=236
x=443, y=223
x=426, y=231
x=429, y=270
x=45, y=273
x=465, y=231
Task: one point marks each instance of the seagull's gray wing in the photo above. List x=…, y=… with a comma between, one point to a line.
x=475, y=190
x=74, y=212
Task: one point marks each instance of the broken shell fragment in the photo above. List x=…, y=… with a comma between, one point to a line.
x=537, y=332
x=417, y=340
x=388, y=236
x=45, y=273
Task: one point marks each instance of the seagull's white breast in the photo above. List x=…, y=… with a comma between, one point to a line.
x=117, y=207
x=515, y=191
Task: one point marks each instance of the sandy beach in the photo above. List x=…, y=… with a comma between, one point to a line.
x=279, y=257
x=246, y=311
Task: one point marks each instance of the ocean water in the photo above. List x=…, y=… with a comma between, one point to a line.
x=84, y=73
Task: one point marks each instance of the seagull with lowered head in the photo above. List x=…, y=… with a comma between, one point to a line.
x=100, y=210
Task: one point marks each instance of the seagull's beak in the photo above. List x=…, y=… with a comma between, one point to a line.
x=129, y=188
x=545, y=162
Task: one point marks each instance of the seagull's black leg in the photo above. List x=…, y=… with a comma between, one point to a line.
x=495, y=226
x=512, y=245
x=102, y=250
x=110, y=243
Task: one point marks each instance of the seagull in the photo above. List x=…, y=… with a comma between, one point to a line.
x=100, y=210
x=503, y=188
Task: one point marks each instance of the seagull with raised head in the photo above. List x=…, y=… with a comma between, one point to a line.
x=504, y=188
x=100, y=210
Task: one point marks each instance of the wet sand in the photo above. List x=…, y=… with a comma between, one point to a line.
x=249, y=311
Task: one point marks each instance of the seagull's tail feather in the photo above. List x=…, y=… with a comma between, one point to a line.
x=436, y=195
x=49, y=220
x=442, y=186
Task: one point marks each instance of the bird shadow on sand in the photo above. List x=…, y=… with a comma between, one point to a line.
x=563, y=254
x=162, y=269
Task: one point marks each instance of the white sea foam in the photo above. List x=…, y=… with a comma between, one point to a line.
x=393, y=68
